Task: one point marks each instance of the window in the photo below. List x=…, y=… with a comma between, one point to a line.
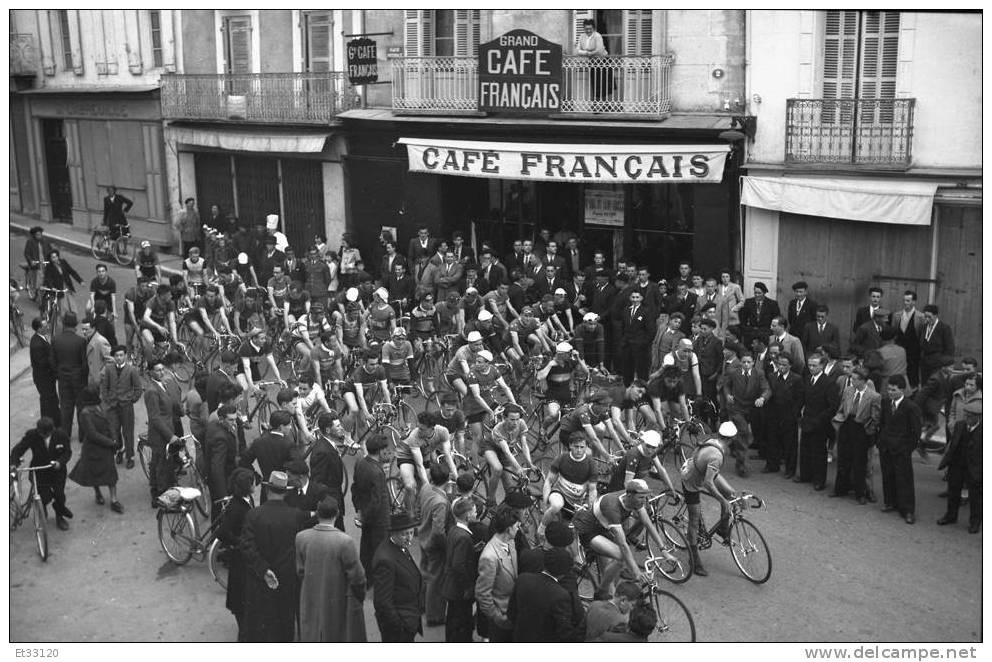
x=317, y=41
x=155, y=20
x=860, y=55
x=624, y=31
x=237, y=44
x=65, y=40
x=441, y=32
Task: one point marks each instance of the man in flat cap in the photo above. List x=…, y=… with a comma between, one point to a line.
x=963, y=459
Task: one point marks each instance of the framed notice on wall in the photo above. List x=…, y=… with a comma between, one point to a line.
x=604, y=207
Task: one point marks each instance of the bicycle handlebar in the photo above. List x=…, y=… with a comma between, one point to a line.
x=50, y=465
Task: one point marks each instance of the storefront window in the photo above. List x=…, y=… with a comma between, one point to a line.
x=662, y=220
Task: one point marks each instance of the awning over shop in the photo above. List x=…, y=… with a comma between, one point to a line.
x=250, y=141
x=871, y=200
x=649, y=164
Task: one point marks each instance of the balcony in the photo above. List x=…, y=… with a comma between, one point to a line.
x=874, y=133
x=23, y=55
x=284, y=98
x=615, y=86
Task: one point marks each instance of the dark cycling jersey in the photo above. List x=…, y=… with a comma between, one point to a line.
x=658, y=389
x=351, y=330
x=573, y=476
x=159, y=310
x=254, y=356
x=454, y=424
x=578, y=417
x=485, y=382
x=423, y=322
x=634, y=461
x=103, y=291
x=298, y=305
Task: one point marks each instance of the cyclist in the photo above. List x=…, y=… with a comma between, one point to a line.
x=253, y=352
x=397, y=357
x=103, y=288
x=195, y=271
x=683, y=358
x=423, y=322
x=558, y=374
x=629, y=401
x=366, y=376
x=564, y=315
x=497, y=302
x=381, y=318
x=600, y=530
x=571, y=480
x=550, y=324
x=246, y=270
x=491, y=336
x=277, y=288
x=159, y=321
x=248, y=314
x=209, y=315
x=667, y=397
x=146, y=262
x=135, y=300
x=593, y=419
x=509, y=435
x=453, y=419
x=36, y=251
x=528, y=327
x=590, y=339
x=458, y=367
x=311, y=400
x=326, y=356
x=482, y=380
x=702, y=472
x=427, y=443
x=353, y=328
x=58, y=275
x=471, y=304
x=450, y=320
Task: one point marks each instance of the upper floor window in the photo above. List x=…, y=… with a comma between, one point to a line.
x=860, y=54
x=237, y=44
x=65, y=39
x=155, y=21
x=317, y=31
x=624, y=31
x=442, y=32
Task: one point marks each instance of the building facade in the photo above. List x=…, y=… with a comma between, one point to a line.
x=866, y=165
x=85, y=114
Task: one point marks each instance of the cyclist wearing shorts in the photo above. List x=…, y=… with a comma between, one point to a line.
x=312, y=400
x=381, y=318
x=453, y=420
x=600, y=530
x=590, y=339
x=248, y=315
x=564, y=311
x=497, y=302
x=253, y=352
x=159, y=321
x=397, y=357
x=232, y=287
x=194, y=271
x=683, y=358
x=558, y=375
x=365, y=377
x=629, y=400
x=458, y=368
x=702, y=472
x=326, y=357
x=277, y=288
x=593, y=420
x=478, y=404
x=296, y=305
x=527, y=326
x=423, y=322
x=471, y=304
x=135, y=300
x=103, y=288
x=667, y=397
x=146, y=262
x=509, y=435
x=449, y=315
x=210, y=313
x=353, y=329
x=571, y=480
x=426, y=443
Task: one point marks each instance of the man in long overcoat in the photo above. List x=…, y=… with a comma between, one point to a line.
x=332, y=580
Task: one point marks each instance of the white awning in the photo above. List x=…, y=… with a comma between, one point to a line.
x=871, y=200
x=250, y=141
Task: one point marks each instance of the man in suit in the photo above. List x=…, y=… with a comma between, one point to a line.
x=820, y=400
x=709, y=351
x=304, y=493
x=464, y=255
x=515, y=258
x=745, y=389
x=397, y=583
x=819, y=332
x=221, y=451
x=553, y=257
x=936, y=342
x=120, y=388
x=868, y=337
x=683, y=301
x=159, y=406
x=649, y=290
x=115, y=208
x=71, y=368
x=636, y=333
x=273, y=449
x=491, y=272
x=542, y=610
x=867, y=313
x=711, y=295
x=432, y=504
x=268, y=543
x=573, y=256
x=370, y=498
x=781, y=417
x=888, y=360
x=461, y=569
x=963, y=459
x=756, y=314
x=856, y=423
x=899, y=432
x=422, y=244
x=97, y=351
x=48, y=446
x=791, y=345
x=549, y=281
x=43, y=371
x=909, y=325
x=389, y=261
x=801, y=309
x=326, y=465
x=449, y=275
x=498, y=574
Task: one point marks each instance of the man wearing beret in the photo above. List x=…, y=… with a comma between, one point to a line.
x=963, y=459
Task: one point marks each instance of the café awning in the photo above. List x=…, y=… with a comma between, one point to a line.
x=861, y=199
x=250, y=141
x=558, y=162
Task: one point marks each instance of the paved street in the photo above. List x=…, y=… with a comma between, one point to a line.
x=842, y=572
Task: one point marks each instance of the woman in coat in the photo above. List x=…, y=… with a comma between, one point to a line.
x=95, y=467
x=240, y=485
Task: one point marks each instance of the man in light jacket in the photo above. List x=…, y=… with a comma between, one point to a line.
x=120, y=388
x=498, y=574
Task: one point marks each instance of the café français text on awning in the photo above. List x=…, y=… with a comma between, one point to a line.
x=658, y=164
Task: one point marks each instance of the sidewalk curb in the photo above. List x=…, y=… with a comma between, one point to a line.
x=20, y=374
x=77, y=245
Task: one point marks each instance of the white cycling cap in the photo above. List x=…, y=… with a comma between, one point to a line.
x=563, y=347
x=561, y=291
x=485, y=315
x=475, y=336
x=590, y=317
x=382, y=293
x=242, y=258
x=351, y=294
x=471, y=290
x=651, y=437
x=272, y=221
x=486, y=354
x=727, y=429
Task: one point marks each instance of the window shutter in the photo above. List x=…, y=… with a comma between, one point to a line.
x=466, y=32
x=418, y=32
x=637, y=31
x=239, y=45
x=579, y=15
x=880, y=52
x=840, y=51
x=318, y=42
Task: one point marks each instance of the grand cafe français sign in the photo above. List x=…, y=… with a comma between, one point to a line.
x=520, y=74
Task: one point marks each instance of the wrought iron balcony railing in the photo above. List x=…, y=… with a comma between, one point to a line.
x=862, y=132
x=293, y=98
x=23, y=55
x=616, y=85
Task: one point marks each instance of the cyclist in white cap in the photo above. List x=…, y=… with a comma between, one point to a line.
x=380, y=317
x=498, y=304
x=565, y=311
x=146, y=262
x=590, y=340
x=558, y=373
x=701, y=472
x=482, y=381
x=638, y=463
x=458, y=367
x=397, y=357
x=353, y=329
x=529, y=327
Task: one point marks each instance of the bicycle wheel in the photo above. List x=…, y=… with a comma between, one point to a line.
x=40, y=528
x=17, y=327
x=99, y=245
x=588, y=580
x=529, y=519
x=192, y=478
x=145, y=457
x=406, y=417
x=262, y=413
x=394, y=486
x=15, y=505
x=681, y=571
x=218, y=568
x=751, y=554
x=675, y=623
x=176, y=534
x=694, y=433
x=122, y=251
x=31, y=283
